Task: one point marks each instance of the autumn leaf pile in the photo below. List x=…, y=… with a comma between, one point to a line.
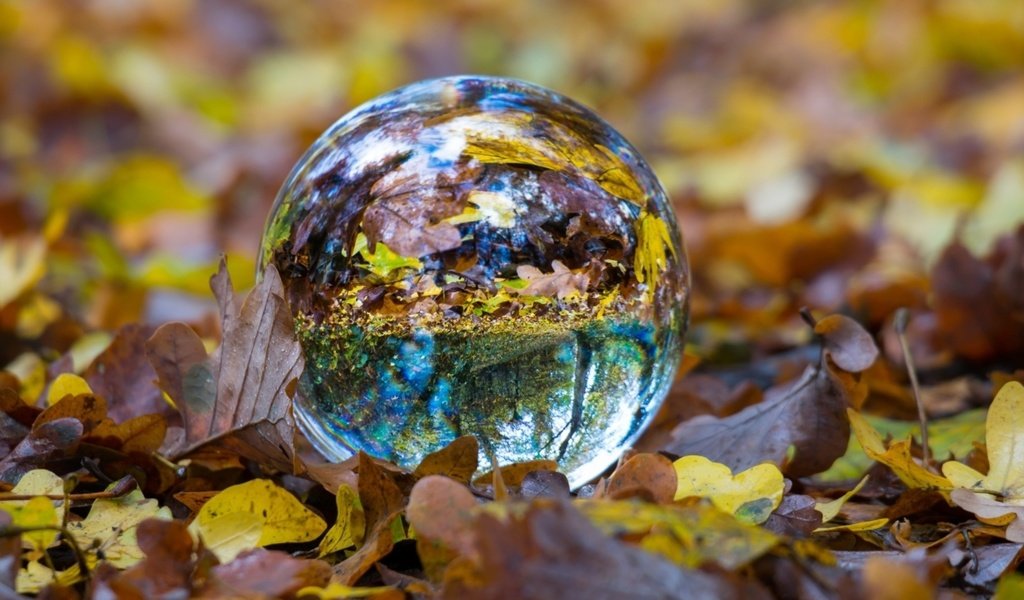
x=849, y=178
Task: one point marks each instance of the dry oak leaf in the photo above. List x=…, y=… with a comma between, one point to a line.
x=240, y=396
x=897, y=457
x=649, y=474
x=809, y=415
x=561, y=282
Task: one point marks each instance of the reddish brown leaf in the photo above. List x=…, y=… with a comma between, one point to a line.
x=266, y=574
x=809, y=415
x=10, y=558
x=645, y=474
x=441, y=509
x=552, y=551
x=123, y=376
x=544, y=484
x=378, y=544
x=514, y=474
x=240, y=396
x=51, y=441
x=379, y=495
x=796, y=517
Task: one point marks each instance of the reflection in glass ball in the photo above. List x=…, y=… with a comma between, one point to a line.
x=480, y=256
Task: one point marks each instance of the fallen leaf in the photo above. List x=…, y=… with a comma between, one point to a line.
x=36, y=512
x=457, y=460
x=123, y=376
x=552, y=551
x=263, y=573
x=750, y=495
x=650, y=474
x=690, y=536
x=349, y=526
x=108, y=532
x=48, y=442
x=22, y=263
x=336, y=591
x=808, y=416
x=830, y=509
x=1004, y=441
x=562, y=282
x=241, y=395
x=282, y=518
x=169, y=568
x=897, y=457
x=544, y=484
x=796, y=517
x=514, y=474
x=442, y=509
x=66, y=384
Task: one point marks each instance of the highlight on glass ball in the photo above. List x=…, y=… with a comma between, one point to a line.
x=479, y=256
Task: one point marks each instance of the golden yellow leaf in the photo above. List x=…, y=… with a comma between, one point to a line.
x=750, y=496
x=1004, y=438
x=230, y=534
x=829, y=510
x=653, y=245
x=862, y=526
x=34, y=576
x=284, y=519
x=36, y=512
x=66, y=384
x=350, y=525
x=897, y=456
x=337, y=591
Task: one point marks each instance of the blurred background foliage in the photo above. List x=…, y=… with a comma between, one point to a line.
x=818, y=153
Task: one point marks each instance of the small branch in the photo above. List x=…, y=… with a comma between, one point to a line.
x=900, y=323
x=122, y=487
x=805, y=314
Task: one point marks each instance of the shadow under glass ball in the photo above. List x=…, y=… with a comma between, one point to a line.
x=479, y=256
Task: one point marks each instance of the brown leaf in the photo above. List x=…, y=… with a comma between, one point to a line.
x=264, y=573
x=240, y=396
x=992, y=561
x=90, y=410
x=441, y=509
x=544, y=484
x=561, y=282
x=123, y=376
x=650, y=475
x=143, y=434
x=168, y=570
x=809, y=415
x=847, y=343
x=457, y=460
x=514, y=474
x=378, y=544
x=796, y=517
x=552, y=551
x=379, y=495
x=10, y=558
x=50, y=441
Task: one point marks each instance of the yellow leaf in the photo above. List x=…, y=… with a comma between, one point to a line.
x=109, y=528
x=22, y=263
x=750, y=496
x=66, y=384
x=337, y=591
x=689, y=536
x=862, y=526
x=1004, y=438
x=348, y=529
x=230, y=534
x=39, y=482
x=897, y=456
x=37, y=512
x=284, y=519
x=653, y=245
x=31, y=372
x=962, y=476
x=829, y=510
x=35, y=576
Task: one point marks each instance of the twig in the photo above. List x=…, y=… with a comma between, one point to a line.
x=122, y=487
x=900, y=323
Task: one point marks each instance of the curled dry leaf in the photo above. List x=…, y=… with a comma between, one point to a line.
x=240, y=396
x=443, y=510
x=809, y=415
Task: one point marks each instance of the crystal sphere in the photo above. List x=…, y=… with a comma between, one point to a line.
x=477, y=255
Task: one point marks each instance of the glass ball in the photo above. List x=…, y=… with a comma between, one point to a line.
x=477, y=255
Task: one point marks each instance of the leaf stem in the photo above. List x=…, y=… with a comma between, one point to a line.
x=122, y=487
x=900, y=323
